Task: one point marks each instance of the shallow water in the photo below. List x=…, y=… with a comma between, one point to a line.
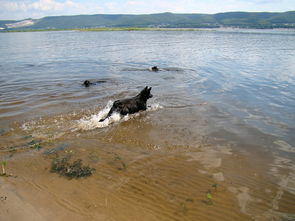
x=221, y=120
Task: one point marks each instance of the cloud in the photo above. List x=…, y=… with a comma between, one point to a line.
x=176, y=6
x=12, y=6
x=43, y=5
x=208, y=6
x=15, y=9
x=262, y=1
x=18, y=9
x=48, y=5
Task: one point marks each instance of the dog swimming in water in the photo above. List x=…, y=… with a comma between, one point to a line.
x=88, y=83
x=131, y=105
x=155, y=68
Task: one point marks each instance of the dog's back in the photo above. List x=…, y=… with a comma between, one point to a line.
x=131, y=105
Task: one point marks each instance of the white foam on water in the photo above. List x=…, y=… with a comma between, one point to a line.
x=92, y=122
x=284, y=146
x=154, y=107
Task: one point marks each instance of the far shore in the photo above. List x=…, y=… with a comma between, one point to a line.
x=110, y=29
x=137, y=29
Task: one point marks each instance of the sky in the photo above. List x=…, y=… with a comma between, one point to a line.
x=21, y=9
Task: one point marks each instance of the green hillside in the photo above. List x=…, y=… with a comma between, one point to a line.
x=3, y=22
x=164, y=20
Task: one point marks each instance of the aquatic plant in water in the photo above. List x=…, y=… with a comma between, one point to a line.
x=34, y=145
x=208, y=199
x=3, y=164
x=63, y=167
x=4, y=173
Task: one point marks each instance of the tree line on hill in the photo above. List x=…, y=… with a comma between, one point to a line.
x=161, y=20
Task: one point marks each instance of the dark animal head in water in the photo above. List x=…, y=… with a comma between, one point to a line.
x=146, y=93
x=155, y=68
x=86, y=83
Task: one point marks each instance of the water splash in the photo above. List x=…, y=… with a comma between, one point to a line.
x=92, y=122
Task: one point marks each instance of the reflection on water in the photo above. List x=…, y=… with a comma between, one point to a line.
x=221, y=120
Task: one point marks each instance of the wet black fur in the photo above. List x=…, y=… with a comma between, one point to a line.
x=155, y=68
x=88, y=83
x=131, y=105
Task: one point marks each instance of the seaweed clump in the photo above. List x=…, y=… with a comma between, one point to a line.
x=63, y=167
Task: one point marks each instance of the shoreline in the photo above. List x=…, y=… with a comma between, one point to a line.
x=144, y=29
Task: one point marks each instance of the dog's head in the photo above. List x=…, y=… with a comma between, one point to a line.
x=155, y=68
x=86, y=83
x=146, y=93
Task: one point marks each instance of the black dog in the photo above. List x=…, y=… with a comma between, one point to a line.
x=131, y=105
x=87, y=83
x=155, y=68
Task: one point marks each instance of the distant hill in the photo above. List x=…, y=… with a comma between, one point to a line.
x=164, y=20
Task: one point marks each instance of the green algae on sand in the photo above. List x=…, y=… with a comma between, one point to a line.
x=75, y=169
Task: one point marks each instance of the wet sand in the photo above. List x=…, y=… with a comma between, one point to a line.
x=141, y=176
